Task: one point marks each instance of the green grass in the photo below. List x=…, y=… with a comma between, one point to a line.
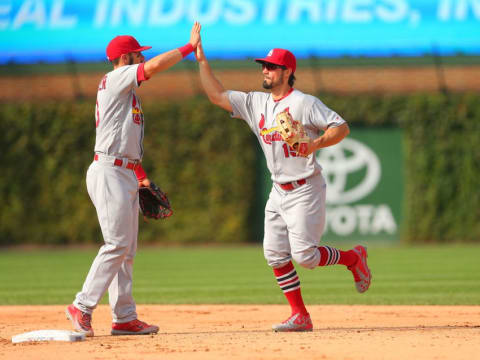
x=239, y=275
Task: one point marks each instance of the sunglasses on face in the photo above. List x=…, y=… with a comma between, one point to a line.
x=271, y=67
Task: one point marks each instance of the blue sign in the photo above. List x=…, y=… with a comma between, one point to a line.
x=59, y=30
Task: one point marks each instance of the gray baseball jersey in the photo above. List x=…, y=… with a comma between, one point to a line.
x=259, y=109
x=295, y=218
x=118, y=114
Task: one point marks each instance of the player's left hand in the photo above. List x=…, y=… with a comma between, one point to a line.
x=153, y=202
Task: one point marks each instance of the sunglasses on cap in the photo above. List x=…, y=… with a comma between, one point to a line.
x=271, y=67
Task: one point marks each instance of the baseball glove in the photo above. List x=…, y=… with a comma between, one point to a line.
x=154, y=202
x=291, y=131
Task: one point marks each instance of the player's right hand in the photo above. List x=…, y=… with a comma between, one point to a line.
x=144, y=183
x=195, y=34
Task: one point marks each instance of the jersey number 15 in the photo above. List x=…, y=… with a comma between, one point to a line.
x=288, y=150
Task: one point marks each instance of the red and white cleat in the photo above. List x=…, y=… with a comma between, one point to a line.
x=134, y=327
x=361, y=272
x=81, y=321
x=296, y=322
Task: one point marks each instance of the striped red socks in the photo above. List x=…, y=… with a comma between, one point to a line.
x=332, y=256
x=289, y=282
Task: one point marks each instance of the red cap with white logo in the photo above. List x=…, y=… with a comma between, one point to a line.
x=123, y=44
x=280, y=57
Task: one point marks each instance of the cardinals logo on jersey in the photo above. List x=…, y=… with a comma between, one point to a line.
x=137, y=113
x=267, y=138
x=269, y=135
x=261, y=125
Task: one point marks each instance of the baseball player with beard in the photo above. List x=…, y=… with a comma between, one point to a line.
x=295, y=210
x=113, y=180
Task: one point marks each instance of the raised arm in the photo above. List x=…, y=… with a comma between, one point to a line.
x=213, y=88
x=168, y=59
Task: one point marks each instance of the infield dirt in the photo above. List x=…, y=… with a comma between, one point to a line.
x=243, y=332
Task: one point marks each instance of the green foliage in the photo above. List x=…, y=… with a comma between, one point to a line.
x=443, y=168
x=240, y=275
x=207, y=164
x=193, y=151
x=44, y=162
x=368, y=110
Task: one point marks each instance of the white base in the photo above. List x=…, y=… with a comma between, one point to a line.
x=48, y=335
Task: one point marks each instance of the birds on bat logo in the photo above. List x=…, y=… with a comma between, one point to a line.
x=267, y=136
x=137, y=113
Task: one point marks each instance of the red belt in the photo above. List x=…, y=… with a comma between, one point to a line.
x=119, y=162
x=292, y=185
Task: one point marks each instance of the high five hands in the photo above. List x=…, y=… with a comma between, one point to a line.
x=195, y=34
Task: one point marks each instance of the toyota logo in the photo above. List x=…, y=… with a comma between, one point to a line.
x=351, y=170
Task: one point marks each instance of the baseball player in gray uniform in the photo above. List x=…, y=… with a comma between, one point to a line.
x=295, y=210
x=113, y=180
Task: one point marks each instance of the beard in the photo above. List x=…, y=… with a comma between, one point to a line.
x=130, y=59
x=267, y=85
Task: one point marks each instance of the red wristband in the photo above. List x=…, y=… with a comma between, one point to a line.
x=141, y=73
x=140, y=173
x=186, y=49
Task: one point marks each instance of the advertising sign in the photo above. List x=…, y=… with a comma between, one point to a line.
x=364, y=175
x=59, y=30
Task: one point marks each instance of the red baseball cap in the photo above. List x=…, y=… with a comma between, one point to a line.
x=123, y=44
x=280, y=57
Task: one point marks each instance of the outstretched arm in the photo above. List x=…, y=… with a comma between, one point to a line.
x=214, y=89
x=168, y=59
